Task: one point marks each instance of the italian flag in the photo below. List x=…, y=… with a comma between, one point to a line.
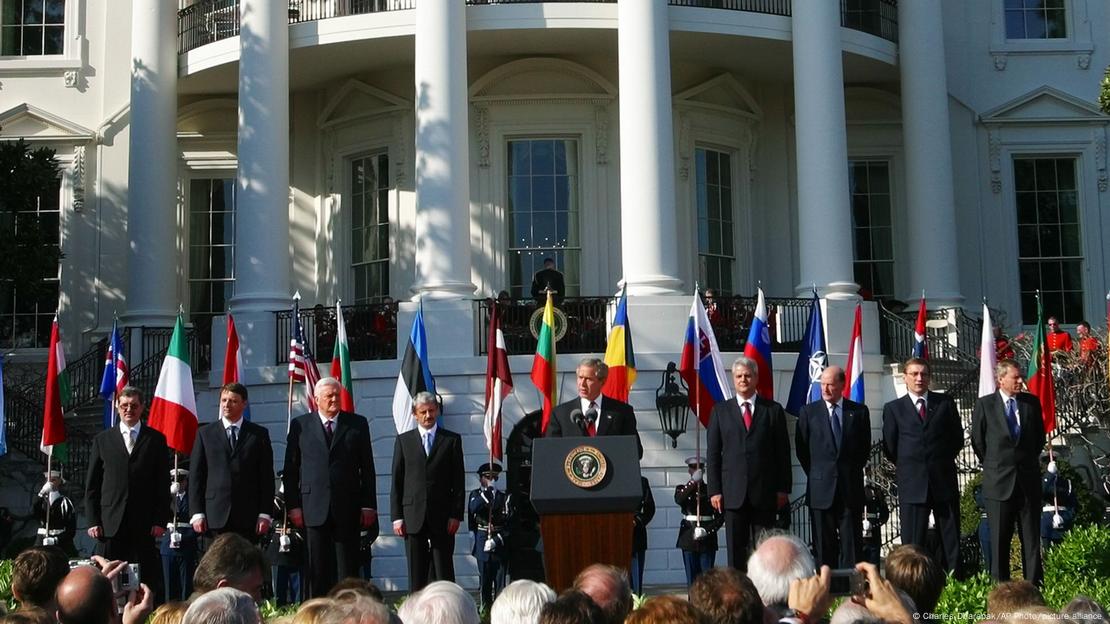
x=543, y=366
x=174, y=408
x=341, y=362
x=57, y=393
x=1040, y=379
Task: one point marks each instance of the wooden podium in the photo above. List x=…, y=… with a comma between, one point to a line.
x=586, y=506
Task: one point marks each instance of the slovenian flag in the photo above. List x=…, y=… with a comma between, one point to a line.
x=758, y=348
x=812, y=360
x=701, y=366
x=619, y=356
x=920, y=346
x=414, y=377
x=854, y=390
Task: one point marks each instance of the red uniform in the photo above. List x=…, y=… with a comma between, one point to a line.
x=1059, y=341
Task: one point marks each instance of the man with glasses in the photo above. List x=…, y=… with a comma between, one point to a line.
x=1058, y=339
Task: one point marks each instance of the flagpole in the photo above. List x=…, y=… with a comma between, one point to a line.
x=176, y=457
x=49, y=466
x=697, y=412
x=288, y=422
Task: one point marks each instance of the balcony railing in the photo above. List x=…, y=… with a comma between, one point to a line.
x=586, y=326
x=371, y=331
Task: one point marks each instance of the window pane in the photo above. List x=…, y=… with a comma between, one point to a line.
x=32, y=40
x=54, y=40
x=543, y=158
x=369, y=194
x=872, y=236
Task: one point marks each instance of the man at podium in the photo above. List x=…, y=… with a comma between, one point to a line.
x=591, y=414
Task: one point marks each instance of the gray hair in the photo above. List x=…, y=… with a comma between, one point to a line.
x=225, y=605
x=441, y=602
x=747, y=363
x=423, y=398
x=1082, y=605
x=325, y=382
x=520, y=603
x=850, y=612
x=357, y=610
x=1005, y=365
x=771, y=572
x=597, y=364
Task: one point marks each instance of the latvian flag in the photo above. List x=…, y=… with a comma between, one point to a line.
x=499, y=383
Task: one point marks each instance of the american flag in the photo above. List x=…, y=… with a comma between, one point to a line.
x=302, y=366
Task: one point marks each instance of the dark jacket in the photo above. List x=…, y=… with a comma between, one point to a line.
x=643, y=517
x=831, y=471
x=748, y=465
x=128, y=492
x=232, y=487
x=427, y=489
x=686, y=497
x=924, y=452
x=1008, y=462
x=614, y=418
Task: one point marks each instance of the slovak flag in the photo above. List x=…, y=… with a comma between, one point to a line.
x=701, y=366
x=854, y=390
x=920, y=347
x=758, y=348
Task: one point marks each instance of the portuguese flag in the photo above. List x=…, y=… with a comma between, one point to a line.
x=543, y=366
x=57, y=394
x=174, y=408
x=1040, y=379
x=341, y=362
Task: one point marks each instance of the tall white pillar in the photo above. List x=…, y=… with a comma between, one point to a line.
x=824, y=217
x=152, y=167
x=443, y=269
x=930, y=209
x=262, y=262
x=649, y=251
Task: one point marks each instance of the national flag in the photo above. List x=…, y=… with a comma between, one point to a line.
x=174, y=408
x=302, y=365
x=812, y=360
x=1040, y=379
x=758, y=348
x=619, y=356
x=1108, y=336
x=854, y=390
x=988, y=356
x=543, y=364
x=233, y=361
x=920, y=345
x=341, y=362
x=415, y=376
x=701, y=366
x=116, y=375
x=3, y=425
x=57, y=395
x=499, y=382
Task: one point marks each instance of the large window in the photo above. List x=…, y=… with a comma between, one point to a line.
x=1050, y=255
x=543, y=211
x=869, y=185
x=714, y=202
x=370, y=228
x=25, y=317
x=1036, y=19
x=32, y=27
x=211, y=246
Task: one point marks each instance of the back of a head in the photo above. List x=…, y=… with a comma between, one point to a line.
x=608, y=587
x=911, y=570
x=225, y=605
x=230, y=558
x=312, y=611
x=726, y=596
x=28, y=615
x=36, y=573
x=1032, y=615
x=1011, y=596
x=1086, y=609
x=850, y=612
x=85, y=597
x=779, y=559
x=350, y=607
x=169, y=613
x=666, y=610
x=358, y=586
x=520, y=603
x=572, y=607
x=441, y=602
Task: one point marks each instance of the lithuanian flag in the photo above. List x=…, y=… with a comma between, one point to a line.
x=619, y=356
x=543, y=366
x=1040, y=379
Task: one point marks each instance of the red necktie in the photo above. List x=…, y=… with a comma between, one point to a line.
x=921, y=409
x=591, y=426
x=747, y=416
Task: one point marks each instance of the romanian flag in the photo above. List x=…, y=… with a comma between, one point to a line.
x=57, y=395
x=341, y=362
x=619, y=356
x=543, y=366
x=1040, y=379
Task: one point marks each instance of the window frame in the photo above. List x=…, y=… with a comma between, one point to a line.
x=187, y=195
x=1077, y=41
x=891, y=168
x=72, y=59
x=345, y=244
x=733, y=210
x=64, y=197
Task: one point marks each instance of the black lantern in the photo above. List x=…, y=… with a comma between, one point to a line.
x=672, y=404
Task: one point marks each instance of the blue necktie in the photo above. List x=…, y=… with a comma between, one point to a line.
x=1012, y=419
x=836, y=430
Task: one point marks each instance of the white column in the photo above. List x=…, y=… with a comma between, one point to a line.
x=824, y=218
x=649, y=251
x=442, y=152
x=262, y=259
x=930, y=209
x=152, y=167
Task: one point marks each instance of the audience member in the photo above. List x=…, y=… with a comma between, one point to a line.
x=1085, y=609
x=1010, y=596
x=851, y=612
x=440, y=602
x=727, y=596
x=312, y=611
x=358, y=586
x=28, y=615
x=231, y=561
x=169, y=613
x=520, y=602
x=573, y=607
x=1032, y=614
x=85, y=597
x=882, y=598
x=913, y=571
x=36, y=573
x=352, y=607
x=779, y=559
x=667, y=610
x=608, y=587
x=225, y=605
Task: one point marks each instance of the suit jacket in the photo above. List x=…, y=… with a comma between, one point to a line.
x=128, y=492
x=748, y=465
x=829, y=470
x=427, y=489
x=231, y=487
x=614, y=418
x=924, y=452
x=336, y=482
x=1006, y=462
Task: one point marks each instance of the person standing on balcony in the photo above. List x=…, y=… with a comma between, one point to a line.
x=1088, y=344
x=548, y=278
x=591, y=414
x=1058, y=339
x=922, y=435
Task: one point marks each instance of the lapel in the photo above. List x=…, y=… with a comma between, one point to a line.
x=140, y=440
x=604, y=416
x=314, y=429
x=341, y=427
x=757, y=416
x=241, y=439
x=1000, y=417
x=115, y=441
x=830, y=438
x=437, y=443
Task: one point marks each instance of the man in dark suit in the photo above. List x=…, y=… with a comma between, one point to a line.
x=749, y=443
x=127, y=494
x=232, y=484
x=592, y=414
x=922, y=435
x=548, y=278
x=1007, y=434
x=329, y=486
x=426, y=501
x=833, y=443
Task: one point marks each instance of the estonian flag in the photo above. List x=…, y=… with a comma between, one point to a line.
x=415, y=376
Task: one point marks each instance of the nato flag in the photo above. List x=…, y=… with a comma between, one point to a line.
x=812, y=360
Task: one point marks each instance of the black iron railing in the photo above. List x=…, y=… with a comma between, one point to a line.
x=875, y=17
x=156, y=342
x=731, y=318
x=770, y=7
x=371, y=331
x=586, y=324
x=23, y=419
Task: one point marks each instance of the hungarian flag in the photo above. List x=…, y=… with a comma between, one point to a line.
x=920, y=345
x=341, y=362
x=854, y=390
x=1039, y=379
x=758, y=348
x=499, y=382
x=174, y=408
x=415, y=375
x=543, y=365
x=619, y=356
x=233, y=361
x=57, y=395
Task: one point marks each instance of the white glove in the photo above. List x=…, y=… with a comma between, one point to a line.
x=54, y=496
x=866, y=525
x=932, y=521
x=175, y=487
x=697, y=476
x=1057, y=521
x=490, y=545
x=46, y=489
x=1052, y=467
x=700, y=533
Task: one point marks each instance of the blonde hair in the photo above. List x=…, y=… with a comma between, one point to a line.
x=169, y=613
x=312, y=611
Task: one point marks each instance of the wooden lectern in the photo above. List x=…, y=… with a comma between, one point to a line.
x=586, y=506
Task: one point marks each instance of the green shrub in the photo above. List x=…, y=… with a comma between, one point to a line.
x=1080, y=565
x=965, y=600
x=6, y=598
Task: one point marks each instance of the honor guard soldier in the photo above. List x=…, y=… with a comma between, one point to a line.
x=179, y=545
x=285, y=551
x=875, y=515
x=489, y=514
x=62, y=525
x=366, y=539
x=984, y=528
x=697, y=533
x=1058, y=510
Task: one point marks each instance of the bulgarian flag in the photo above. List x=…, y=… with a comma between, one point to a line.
x=341, y=362
x=1040, y=379
x=174, y=408
x=57, y=394
x=543, y=366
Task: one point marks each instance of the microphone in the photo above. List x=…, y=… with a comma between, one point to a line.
x=578, y=419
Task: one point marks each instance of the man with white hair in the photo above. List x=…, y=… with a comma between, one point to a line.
x=521, y=602
x=779, y=559
x=329, y=486
x=222, y=606
x=441, y=602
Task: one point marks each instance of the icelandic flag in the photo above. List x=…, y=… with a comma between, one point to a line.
x=920, y=347
x=233, y=361
x=758, y=348
x=116, y=375
x=701, y=366
x=812, y=360
x=854, y=390
x=414, y=377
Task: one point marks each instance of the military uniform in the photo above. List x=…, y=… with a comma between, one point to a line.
x=875, y=515
x=286, y=555
x=62, y=515
x=489, y=512
x=698, y=551
x=180, y=561
x=984, y=527
x=1059, y=499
